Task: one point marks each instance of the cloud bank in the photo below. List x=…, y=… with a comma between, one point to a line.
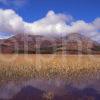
x=52, y=24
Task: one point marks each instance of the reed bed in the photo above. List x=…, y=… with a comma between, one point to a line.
x=67, y=67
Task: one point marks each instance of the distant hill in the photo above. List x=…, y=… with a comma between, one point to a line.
x=74, y=43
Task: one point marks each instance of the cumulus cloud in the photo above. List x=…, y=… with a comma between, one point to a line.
x=10, y=22
x=96, y=22
x=51, y=24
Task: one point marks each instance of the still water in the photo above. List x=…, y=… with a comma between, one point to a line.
x=40, y=89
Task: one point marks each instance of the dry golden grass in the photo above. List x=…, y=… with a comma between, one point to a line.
x=68, y=67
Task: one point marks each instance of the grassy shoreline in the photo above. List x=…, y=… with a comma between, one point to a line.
x=70, y=67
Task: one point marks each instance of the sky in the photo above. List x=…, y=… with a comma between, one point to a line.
x=32, y=10
x=58, y=15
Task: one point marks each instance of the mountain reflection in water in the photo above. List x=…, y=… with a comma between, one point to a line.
x=47, y=90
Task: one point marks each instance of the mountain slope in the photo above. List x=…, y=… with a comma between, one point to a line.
x=72, y=44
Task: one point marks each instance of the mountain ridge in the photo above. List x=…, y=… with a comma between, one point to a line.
x=73, y=43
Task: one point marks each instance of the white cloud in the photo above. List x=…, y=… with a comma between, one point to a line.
x=96, y=22
x=10, y=22
x=52, y=24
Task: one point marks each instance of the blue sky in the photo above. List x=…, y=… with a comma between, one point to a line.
x=32, y=10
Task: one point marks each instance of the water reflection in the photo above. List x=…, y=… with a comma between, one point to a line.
x=48, y=90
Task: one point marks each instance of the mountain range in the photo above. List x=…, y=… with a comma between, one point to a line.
x=73, y=43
